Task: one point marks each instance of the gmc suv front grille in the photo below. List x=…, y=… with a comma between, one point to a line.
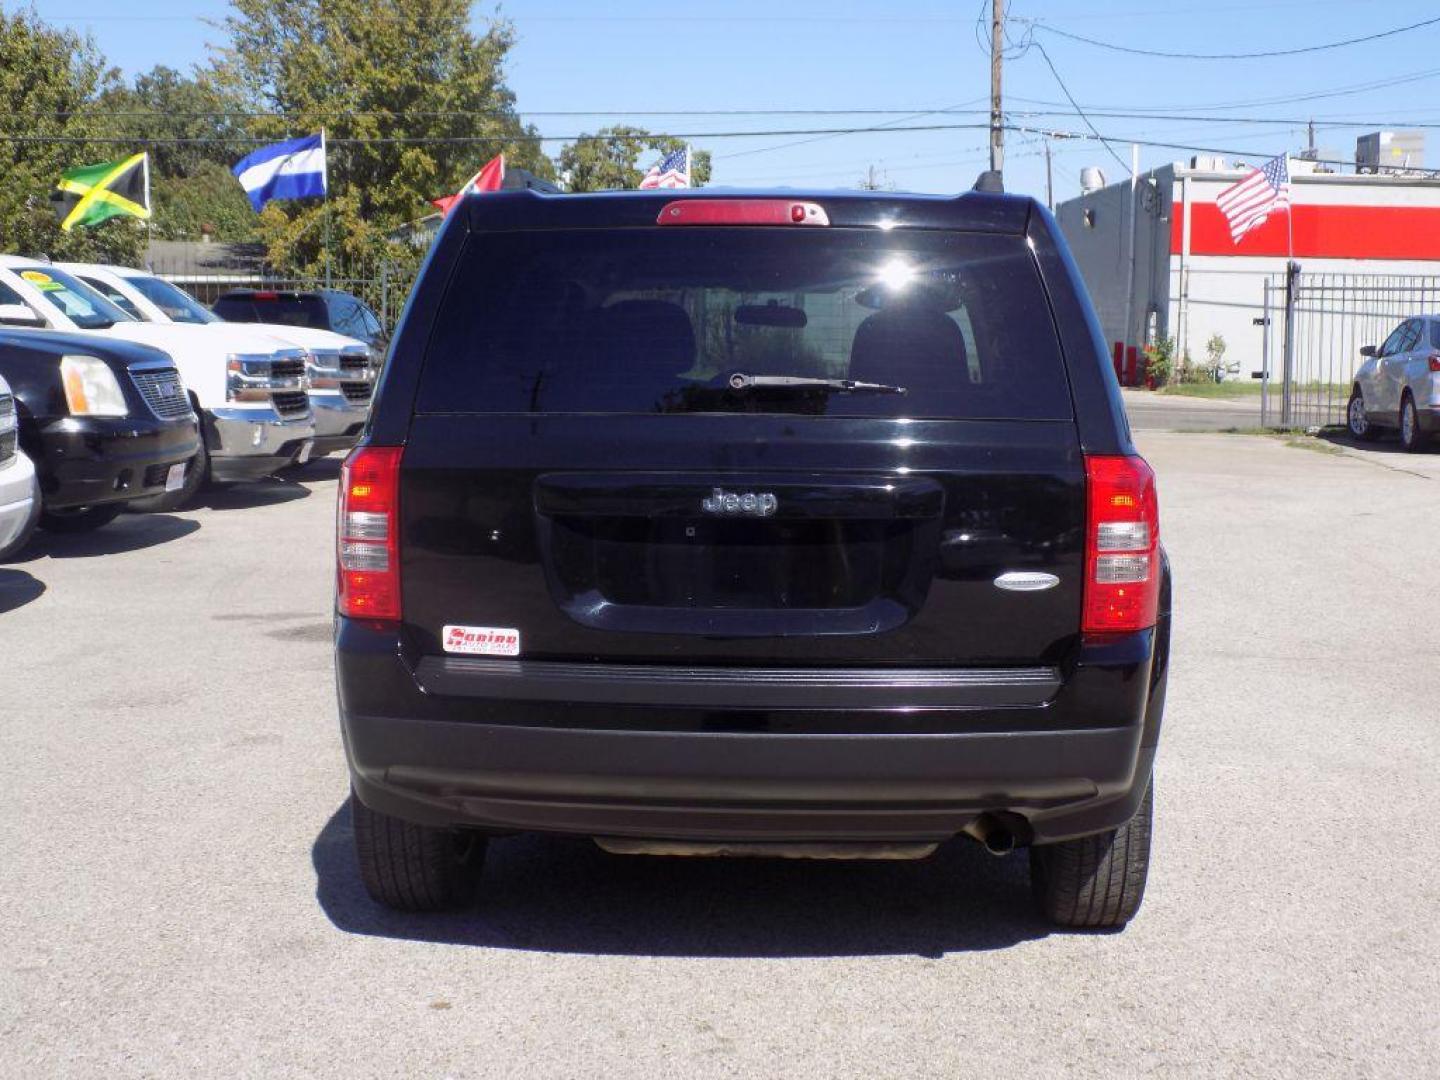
x=356, y=392
x=291, y=402
x=163, y=392
x=354, y=363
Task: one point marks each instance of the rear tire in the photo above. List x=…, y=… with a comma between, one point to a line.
x=1411, y=437
x=82, y=519
x=412, y=867
x=1355, y=419
x=1095, y=882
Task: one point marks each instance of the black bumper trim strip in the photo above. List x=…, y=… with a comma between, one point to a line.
x=737, y=688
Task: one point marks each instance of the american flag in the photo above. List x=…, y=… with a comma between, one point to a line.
x=673, y=171
x=1247, y=204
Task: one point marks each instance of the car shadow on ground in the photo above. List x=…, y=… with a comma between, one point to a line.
x=129, y=532
x=271, y=491
x=17, y=588
x=317, y=470
x=566, y=895
x=1386, y=446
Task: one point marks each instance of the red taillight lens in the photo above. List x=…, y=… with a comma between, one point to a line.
x=368, y=534
x=1122, y=546
x=1435, y=361
x=742, y=212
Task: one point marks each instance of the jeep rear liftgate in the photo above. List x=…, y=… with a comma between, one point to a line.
x=758, y=445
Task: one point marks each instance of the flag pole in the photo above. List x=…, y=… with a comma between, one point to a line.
x=325, y=197
x=1289, y=213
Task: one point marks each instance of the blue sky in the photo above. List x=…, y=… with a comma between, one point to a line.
x=642, y=57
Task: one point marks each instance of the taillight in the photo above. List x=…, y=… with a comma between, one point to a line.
x=742, y=212
x=368, y=528
x=1122, y=546
x=1435, y=361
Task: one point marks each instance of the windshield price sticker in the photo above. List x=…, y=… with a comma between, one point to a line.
x=41, y=281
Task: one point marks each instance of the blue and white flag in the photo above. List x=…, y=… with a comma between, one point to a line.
x=294, y=169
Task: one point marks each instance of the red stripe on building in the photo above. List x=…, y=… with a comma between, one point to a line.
x=1321, y=232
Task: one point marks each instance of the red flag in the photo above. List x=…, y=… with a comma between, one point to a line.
x=490, y=178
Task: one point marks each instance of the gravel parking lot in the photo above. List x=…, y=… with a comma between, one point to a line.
x=178, y=895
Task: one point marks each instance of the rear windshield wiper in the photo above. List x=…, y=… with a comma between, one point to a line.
x=741, y=381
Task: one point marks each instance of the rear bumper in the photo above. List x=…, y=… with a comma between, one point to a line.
x=250, y=443
x=569, y=752
x=90, y=461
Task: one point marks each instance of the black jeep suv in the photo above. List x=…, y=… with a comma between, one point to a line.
x=705, y=524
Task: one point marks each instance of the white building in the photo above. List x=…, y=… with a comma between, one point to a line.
x=1159, y=262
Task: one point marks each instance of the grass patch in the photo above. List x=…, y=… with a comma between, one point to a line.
x=1234, y=388
x=1295, y=437
x=1313, y=444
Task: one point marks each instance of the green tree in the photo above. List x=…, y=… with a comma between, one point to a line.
x=610, y=159
x=49, y=79
x=411, y=100
x=195, y=131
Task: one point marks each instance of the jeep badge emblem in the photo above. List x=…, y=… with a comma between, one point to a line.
x=721, y=501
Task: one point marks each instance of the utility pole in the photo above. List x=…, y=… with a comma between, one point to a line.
x=997, y=116
x=1049, y=180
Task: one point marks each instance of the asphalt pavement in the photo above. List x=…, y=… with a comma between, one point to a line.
x=1150, y=411
x=178, y=896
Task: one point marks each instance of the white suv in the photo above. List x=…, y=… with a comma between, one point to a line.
x=342, y=370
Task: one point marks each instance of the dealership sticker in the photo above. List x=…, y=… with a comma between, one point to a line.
x=482, y=640
x=41, y=280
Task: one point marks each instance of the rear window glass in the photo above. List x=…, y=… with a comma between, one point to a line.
x=665, y=320
x=288, y=310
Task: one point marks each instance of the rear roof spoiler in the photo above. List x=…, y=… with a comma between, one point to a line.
x=990, y=181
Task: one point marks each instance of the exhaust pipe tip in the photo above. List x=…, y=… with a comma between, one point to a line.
x=992, y=834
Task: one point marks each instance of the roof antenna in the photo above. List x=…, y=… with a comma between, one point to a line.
x=990, y=180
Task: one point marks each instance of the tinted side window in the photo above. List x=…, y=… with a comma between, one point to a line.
x=234, y=309
x=345, y=318
x=1434, y=334
x=662, y=320
x=114, y=295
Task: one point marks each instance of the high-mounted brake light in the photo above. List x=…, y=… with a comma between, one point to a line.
x=368, y=534
x=1122, y=546
x=742, y=212
x=265, y=296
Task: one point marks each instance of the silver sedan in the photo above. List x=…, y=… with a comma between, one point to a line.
x=1398, y=386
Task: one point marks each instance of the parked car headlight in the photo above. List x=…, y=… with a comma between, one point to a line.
x=91, y=388
x=247, y=378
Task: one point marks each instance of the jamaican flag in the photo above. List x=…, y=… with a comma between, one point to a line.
x=92, y=193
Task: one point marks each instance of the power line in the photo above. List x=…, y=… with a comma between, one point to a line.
x=1071, y=98
x=913, y=111
x=1159, y=144
x=1037, y=25
x=1316, y=95
x=482, y=139
x=1103, y=111
x=890, y=126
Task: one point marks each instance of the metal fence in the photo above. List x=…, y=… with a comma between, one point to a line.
x=1315, y=325
x=384, y=284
